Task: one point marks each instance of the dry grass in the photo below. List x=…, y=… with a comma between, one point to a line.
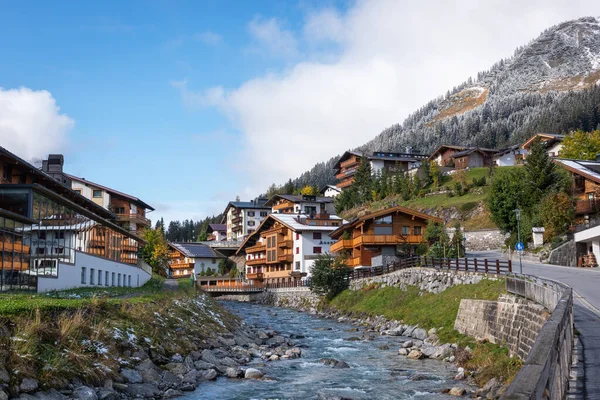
x=463, y=101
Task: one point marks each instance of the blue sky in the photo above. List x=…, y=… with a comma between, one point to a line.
x=187, y=104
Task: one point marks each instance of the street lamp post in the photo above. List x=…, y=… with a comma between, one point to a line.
x=518, y=212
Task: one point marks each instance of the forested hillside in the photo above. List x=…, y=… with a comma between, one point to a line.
x=549, y=85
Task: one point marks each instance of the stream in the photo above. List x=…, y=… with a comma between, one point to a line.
x=375, y=372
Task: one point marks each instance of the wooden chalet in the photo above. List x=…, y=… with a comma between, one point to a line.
x=373, y=239
x=552, y=142
x=473, y=158
x=345, y=168
x=586, y=185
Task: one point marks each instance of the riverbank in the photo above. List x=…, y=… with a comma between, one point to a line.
x=159, y=344
x=427, y=318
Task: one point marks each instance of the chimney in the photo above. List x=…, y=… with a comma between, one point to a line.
x=53, y=166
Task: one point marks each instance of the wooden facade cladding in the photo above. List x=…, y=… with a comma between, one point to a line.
x=283, y=205
x=256, y=248
x=354, y=160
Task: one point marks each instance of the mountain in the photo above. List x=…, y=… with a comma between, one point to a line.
x=549, y=85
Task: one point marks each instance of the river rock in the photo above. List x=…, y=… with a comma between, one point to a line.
x=409, y=330
x=107, y=394
x=210, y=375
x=334, y=363
x=4, y=377
x=172, y=393
x=192, y=377
x=3, y=395
x=195, y=355
x=403, y=352
x=443, y=351
x=408, y=344
x=145, y=365
x=177, y=358
x=131, y=375
x=420, y=334
x=253, y=373
x=28, y=385
x=428, y=351
x=200, y=364
x=177, y=368
x=232, y=372
x=150, y=376
x=274, y=357
x=142, y=390
x=460, y=374
x=84, y=393
x=489, y=389
x=170, y=380
x=415, y=355
x=51, y=394
x=457, y=391
x=263, y=335
x=229, y=362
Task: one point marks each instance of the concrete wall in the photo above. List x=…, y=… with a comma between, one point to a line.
x=545, y=373
x=511, y=321
x=69, y=275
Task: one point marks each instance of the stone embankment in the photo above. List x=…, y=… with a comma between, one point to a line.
x=133, y=364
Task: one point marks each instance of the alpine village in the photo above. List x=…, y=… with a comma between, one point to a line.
x=421, y=245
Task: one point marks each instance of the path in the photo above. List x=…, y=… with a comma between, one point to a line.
x=585, y=283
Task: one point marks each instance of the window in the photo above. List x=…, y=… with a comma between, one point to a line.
x=113, y=279
x=78, y=191
x=263, y=213
x=106, y=275
x=297, y=265
x=383, y=230
x=83, y=272
x=251, y=213
x=129, y=280
x=297, y=236
x=335, y=224
x=119, y=280
x=214, y=261
x=100, y=277
x=384, y=220
x=316, y=250
x=418, y=230
x=316, y=235
x=59, y=250
x=59, y=235
x=251, y=223
x=40, y=250
x=406, y=230
x=92, y=276
x=297, y=250
x=310, y=210
x=42, y=235
x=97, y=193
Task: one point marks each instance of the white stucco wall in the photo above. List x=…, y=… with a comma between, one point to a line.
x=554, y=151
x=329, y=192
x=88, y=192
x=69, y=275
x=202, y=264
x=506, y=160
x=306, y=243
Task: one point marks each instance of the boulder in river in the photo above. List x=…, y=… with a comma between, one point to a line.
x=415, y=355
x=253, y=373
x=331, y=362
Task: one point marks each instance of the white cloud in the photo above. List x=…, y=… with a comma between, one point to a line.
x=272, y=37
x=390, y=58
x=31, y=125
x=209, y=38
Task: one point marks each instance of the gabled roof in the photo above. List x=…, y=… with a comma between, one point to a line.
x=196, y=250
x=59, y=188
x=332, y=187
x=217, y=228
x=446, y=147
x=297, y=199
x=472, y=150
x=516, y=148
x=588, y=169
x=346, y=156
x=547, y=136
x=290, y=221
x=395, y=209
x=112, y=191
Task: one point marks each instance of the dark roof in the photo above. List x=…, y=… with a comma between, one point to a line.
x=410, y=157
x=299, y=199
x=507, y=150
x=216, y=227
x=59, y=188
x=113, y=191
x=472, y=150
x=324, y=188
x=196, y=250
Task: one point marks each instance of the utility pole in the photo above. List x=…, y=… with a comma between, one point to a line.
x=519, y=250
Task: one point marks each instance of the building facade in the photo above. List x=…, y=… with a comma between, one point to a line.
x=52, y=238
x=378, y=238
x=187, y=259
x=217, y=232
x=285, y=246
x=510, y=157
x=243, y=217
x=473, y=158
x=330, y=191
x=552, y=142
x=301, y=204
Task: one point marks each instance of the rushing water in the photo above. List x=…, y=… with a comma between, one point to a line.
x=374, y=373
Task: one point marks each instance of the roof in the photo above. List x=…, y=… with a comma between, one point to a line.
x=472, y=150
x=196, y=250
x=410, y=157
x=396, y=209
x=502, y=152
x=549, y=136
x=113, y=191
x=217, y=227
x=587, y=169
x=332, y=187
x=291, y=221
x=345, y=156
x=298, y=199
x=446, y=146
x=59, y=188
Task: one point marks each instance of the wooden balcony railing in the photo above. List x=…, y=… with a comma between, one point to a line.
x=283, y=205
x=345, y=183
x=346, y=173
x=587, y=206
x=386, y=239
x=9, y=265
x=7, y=245
x=285, y=258
x=350, y=161
x=353, y=262
x=285, y=244
x=133, y=217
x=181, y=265
x=129, y=247
x=341, y=245
x=255, y=276
x=97, y=242
x=257, y=248
x=257, y=261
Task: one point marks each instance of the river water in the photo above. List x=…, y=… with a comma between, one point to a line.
x=374, y=373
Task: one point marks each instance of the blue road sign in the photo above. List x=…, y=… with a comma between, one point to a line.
x=519, y=246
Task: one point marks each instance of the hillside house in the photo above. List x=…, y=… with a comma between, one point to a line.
x=473, y=158
x=301, y=204
x=552, y=142
x=509, y=157
x=187, y=259
x=243, y=217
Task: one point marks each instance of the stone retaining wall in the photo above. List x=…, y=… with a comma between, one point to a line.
x=428, y=280
x=565, y=254
x=545, y=372
x=298, y=298
x=511, y=321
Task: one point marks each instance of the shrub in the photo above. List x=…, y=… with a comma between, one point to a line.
x=329, y=276
x=466, y=207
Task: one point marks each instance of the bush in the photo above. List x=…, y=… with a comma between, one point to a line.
x=458, y=189
x=479, y=182
x=466, y=207
x=329, y=276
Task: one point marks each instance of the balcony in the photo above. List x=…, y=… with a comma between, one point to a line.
x=236, y=220
x=285, y=244
x=7, y=245
x=127, y=259
x=97, y=242
x=346, y=173
x=133, y=217
x=255, y=249
x=257, y=261
x=341, y=245
x=345, y=183
x=255, y=276
x=278, y=274
x=8, y=265
x=386, y=239
x=283, y=205
x=353, y=262
x=287, y=258
x=129, y=247
x=349, y=162
x=181, y=265
x=587, y=206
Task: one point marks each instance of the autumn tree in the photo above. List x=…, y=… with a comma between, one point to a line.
x=435, y=172
x=581, y=145
x=557, y=214
x=156, y=250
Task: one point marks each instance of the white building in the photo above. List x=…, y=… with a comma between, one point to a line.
x=330, y=191
x=301, y=204
x=552, y=142
x=192, y=258
x=243, y=217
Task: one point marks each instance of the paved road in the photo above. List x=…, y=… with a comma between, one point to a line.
x=586, y=286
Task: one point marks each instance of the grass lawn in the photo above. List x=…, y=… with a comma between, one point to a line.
x=437, y=311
